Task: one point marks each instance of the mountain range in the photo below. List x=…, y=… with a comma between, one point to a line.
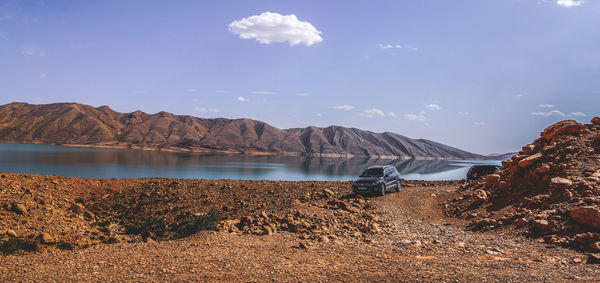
x=85, y=125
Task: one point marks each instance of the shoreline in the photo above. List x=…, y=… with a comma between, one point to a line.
x=232, y=152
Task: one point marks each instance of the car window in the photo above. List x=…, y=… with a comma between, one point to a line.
x=372, y=172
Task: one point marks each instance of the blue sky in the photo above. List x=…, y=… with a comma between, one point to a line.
x=485, y=76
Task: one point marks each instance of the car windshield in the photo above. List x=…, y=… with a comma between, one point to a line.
x=372, y=172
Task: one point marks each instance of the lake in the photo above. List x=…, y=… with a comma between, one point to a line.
x=123, y=163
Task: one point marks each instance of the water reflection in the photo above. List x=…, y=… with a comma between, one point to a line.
x=107, y=163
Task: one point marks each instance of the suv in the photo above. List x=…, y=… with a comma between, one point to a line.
x=376, y=179
x=480, y=170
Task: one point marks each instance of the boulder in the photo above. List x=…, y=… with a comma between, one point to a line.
x=533, y=159
x=12, y=233
x=561, y=128
x=46, y=238
x=596, y=121
x=558, y=183
x=492, y=179
x=528, y=149
x=540, y=224
x=586, y=215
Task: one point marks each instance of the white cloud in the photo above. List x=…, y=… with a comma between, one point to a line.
x=418, y=117
x=343, y=107
x=269, y=27
x=549, y=113
x=385, y=46
x=242, y=99
x=463, y=113
x=569, y=3
x=546, y=105
x=392, y=114
x=433, y=107
x=373, y=112
x=397, y=46
x=207, y=110
x=32, y=51
x=578, y=114
x=43, y=75
x=302, y=94
x=479, y=123
x=263, y=92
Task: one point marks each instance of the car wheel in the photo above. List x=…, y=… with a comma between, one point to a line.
x=382, y=190
x=398, y=186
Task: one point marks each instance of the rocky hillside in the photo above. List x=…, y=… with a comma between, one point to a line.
x=78, y=124
x=551, y=189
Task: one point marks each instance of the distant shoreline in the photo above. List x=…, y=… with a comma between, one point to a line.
x=229, y=152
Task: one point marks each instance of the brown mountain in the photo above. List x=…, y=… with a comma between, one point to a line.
x=79, y=124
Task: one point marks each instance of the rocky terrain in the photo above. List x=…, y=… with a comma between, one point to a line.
x=78, y=124
x=550, y=190
x=266, y=231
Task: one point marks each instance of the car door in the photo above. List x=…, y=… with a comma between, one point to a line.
x=389, y=177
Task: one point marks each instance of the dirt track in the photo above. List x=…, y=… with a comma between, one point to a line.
x=418, y=243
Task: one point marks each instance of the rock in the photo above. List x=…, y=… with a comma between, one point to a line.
x=46, y=238
x=303, y=246
x=558, y=183
x=268, y=230
x=540, y=224
x=533, y=159
x=522, y=222
x=459, y=245
x=324, y=239
x=542, y=169
x=595, y=246
x=11, y=233
x=77, y=208
x=586, y=215
x=593, y=259
x=561, y=128
x=492, y=179
x=528, y=149
x=504, y=185
x=479, y=196
x=19, y=208
x=328, y=192
x=596, y=121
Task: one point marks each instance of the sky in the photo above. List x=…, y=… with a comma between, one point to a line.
x=485, y=76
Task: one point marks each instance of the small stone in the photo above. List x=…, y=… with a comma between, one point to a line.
x=479, y=196
x=526, y=162
x=558, y=183
x=324, y=239
x=46, y=238
x=522, y=222
x=303, y=246
x=328, y=192
x=459, y=245
x=593, y=259
x=11, y=233
x=541, y=224
x=19, y=208
x=492, y=179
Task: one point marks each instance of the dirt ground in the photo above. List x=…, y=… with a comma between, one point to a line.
x=416, y=243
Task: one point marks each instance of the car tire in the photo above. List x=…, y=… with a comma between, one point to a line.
x=382, y=190
x=398, y=186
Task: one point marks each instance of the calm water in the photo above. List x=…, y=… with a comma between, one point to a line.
x=117, y=163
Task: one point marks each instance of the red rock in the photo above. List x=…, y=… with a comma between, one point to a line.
x=528, y=149
x=558, y=183
x=593, y=259
x=561, y=128
x=542, y=169
x=541, y=224
x=492, y=179
x=586, y=215
x=526, y=162
x=479, y=196
x=596, y=121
